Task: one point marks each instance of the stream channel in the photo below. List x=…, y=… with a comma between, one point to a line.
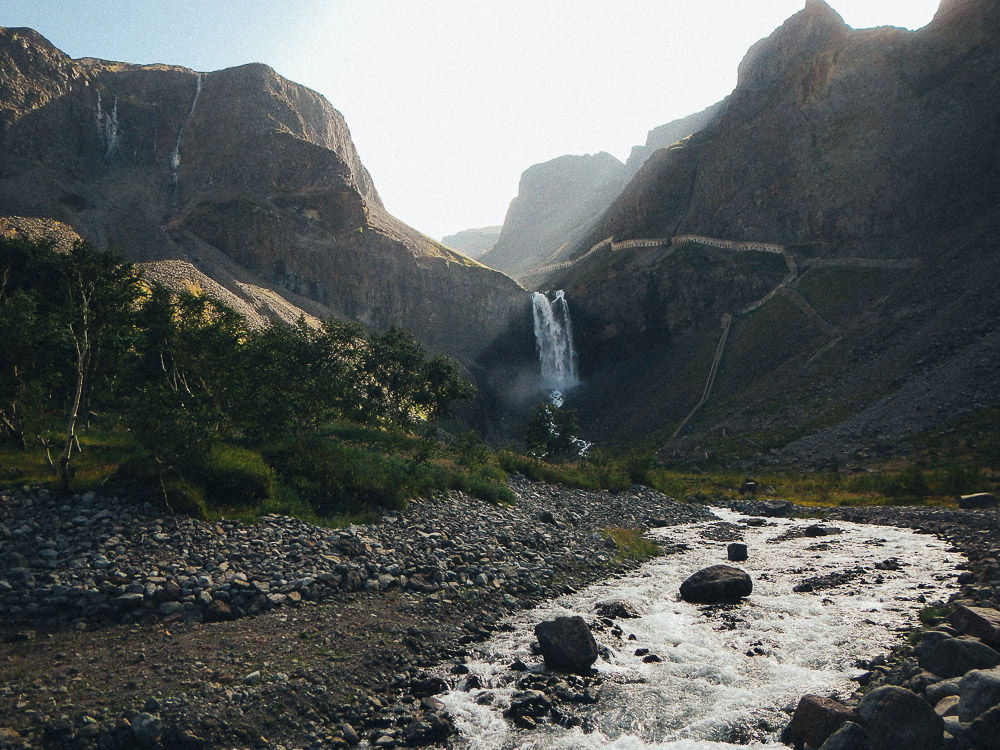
x=729, y=675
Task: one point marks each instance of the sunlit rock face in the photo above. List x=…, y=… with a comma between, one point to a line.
x=244, y=174
x=556, y=202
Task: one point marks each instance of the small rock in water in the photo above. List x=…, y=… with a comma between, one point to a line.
x=736, y=552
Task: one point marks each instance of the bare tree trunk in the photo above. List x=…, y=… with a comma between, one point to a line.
x=82, y=357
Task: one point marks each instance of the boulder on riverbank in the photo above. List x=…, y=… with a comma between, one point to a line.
x=567, y=645
x=715, y=584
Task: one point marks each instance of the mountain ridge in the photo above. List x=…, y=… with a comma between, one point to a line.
x=155, y=160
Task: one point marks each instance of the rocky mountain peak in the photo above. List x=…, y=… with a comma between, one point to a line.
x=796, y=40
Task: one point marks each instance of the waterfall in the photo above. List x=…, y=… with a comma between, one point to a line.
x=554, y=340
x=175, y=155
x=107, y=125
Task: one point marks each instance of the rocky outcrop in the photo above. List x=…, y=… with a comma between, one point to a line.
x=556, y=203
x=669, y=134
x=239, y=170
x=836, y=136
x=473, y=242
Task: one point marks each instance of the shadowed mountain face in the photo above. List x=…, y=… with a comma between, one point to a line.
x=240, y=174
x=556, y=203
x=871, y=159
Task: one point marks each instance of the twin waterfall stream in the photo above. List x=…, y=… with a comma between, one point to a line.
x=554, y=340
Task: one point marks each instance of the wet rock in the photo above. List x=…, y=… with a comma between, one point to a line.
x=718, y=583
x=978, y=690
x=428, y=687
x=850, y=736
x=736, y=552
x=533, y=703
x=905, y=721
x=775, y=508
x=985, y=730
x=952, y=657
x=567, y=644
x=435, y=727
x=981, y=622
x=616, y=609
x=817, y=530
x=816, y=718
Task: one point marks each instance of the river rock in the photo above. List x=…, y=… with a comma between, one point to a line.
x=775, y=508
x=980, y=622
x=717, y=583
x=979, y=690
x=901, y=720
x=951, y=657
x=977, y=501
x=435, y=727
x=736, y=552
x=985, y=730
x=816, y=718
x=850, y=736
x=616, y=609
x=567, y=644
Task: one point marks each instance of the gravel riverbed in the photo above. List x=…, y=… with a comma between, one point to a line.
x=122, y=627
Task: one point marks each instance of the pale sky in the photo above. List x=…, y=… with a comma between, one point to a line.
x=448, y=101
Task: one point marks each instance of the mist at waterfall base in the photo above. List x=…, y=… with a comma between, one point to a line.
x=729, y=675
x=554, y=341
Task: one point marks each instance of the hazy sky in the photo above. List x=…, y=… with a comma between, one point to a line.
x=448, y=101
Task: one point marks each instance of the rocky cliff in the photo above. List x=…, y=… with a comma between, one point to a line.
x=872, y=158
x=473, y=242
x=556, y=202
x=240, y=174
x=836, y=136
x=667, y=135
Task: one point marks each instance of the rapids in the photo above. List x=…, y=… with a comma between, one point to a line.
x=730, y=674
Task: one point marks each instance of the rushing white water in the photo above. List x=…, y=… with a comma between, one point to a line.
x=730, y=673
x=175, y=155
x=554, y=341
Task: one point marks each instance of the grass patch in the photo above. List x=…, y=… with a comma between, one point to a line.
x=631, y=544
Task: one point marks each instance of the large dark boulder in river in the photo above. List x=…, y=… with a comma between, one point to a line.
x=567, y=644
x=718, y=583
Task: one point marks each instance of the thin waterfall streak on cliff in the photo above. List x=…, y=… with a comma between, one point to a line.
x=175, y=155
x=554, y=341
x=107, y=125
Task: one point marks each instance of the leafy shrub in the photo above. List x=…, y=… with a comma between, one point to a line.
x=233, y=475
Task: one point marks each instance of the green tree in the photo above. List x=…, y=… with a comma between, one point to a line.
x=102, y=290
x=552, y=431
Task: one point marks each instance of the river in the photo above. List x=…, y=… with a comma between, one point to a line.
x=729, y=675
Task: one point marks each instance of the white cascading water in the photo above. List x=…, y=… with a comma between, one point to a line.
x=107, y=125
x=554, y=341
x=729, y=675
x=175, y=155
